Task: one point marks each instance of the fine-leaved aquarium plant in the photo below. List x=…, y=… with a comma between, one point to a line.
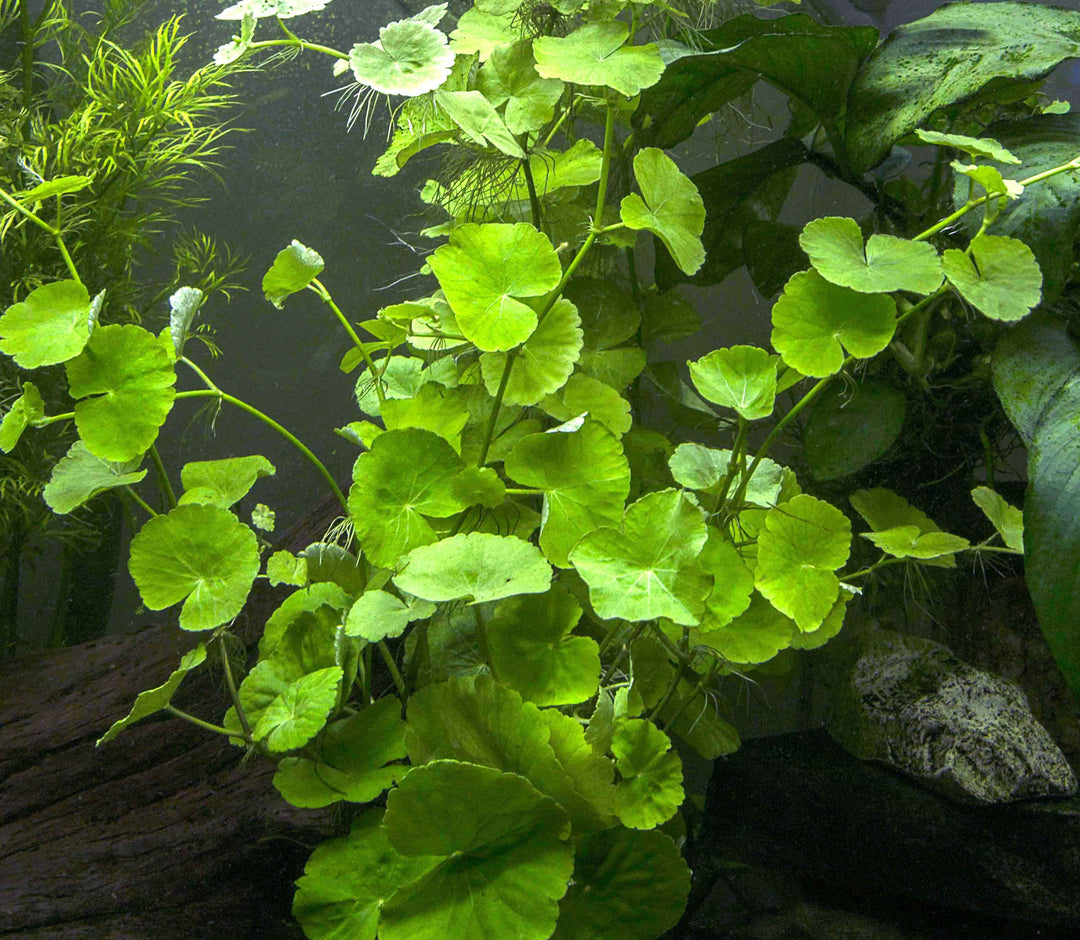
x=542, y=578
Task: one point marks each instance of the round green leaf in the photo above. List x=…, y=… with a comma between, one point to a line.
x=405, y=476
x=615, y=367
x=740, y=377
x=201, y=555
x=260, y=9
x=222, y=482
x=886, y=263
x=482, y=31
x=801, y=544
x=300, y=712
x=510, y=78
x=814, y=322
x=1008, y=520
x=24, y=411
x=293, y=269
x=445, y=411
x=755, y=636
x=79, y=475
x=585, y=478
x=848, y=431
x=52, y=325
x=484, y=269
x=532, y=650
x=410, y=58
x=909, y=541
x=597, y=54
x=377, y=615
x=650, y=791
x=505, y=862
x=131, y=378
x=154, y=700
x=476, y=567
x=732, y=582
x=647, y=568
x=1001, y=278
x=582, y=395
x=348, y=880
x=627, y=883
x=669, y=206
x=543, y=364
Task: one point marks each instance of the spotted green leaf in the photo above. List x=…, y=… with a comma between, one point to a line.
x=532, y=650
x=50, y=326
x=410, y=58
x=650, y=791
x=125, y=379
x=24, y=411
x=300, y=712
x=885, y=263
x=803, y=542
x=597, y=54
x=1001, y=278
x=585, y=478
x=740, y=377
x=485, y=269
x=293, y=269
x=222, y=482
x=1008, y=520
x=201, y=555
x=80, y=475
x=476, y=567
x=260, y=9
x=154, y=700
x=184, y=305
x=647, y=567
x=815, y=322
x=669, y=206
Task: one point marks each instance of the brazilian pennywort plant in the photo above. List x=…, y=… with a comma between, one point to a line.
x=553, y=587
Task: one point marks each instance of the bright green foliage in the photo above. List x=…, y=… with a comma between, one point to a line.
x=354, y=759
x=509, y=78
x=802, y=543
x=909, y=541
x=154, y=700
x=299, y=713
x=585, y=478
x=533, y=652
x=410, y=58
x=651, y=787
x=285, y=568
x=80, y=475
x=543, y=363
x=476, y=567
x=259, y=9
x=50, y=326
x=756, y=635
x=328, y=561
x=444, y=411
x=24, y=411
x=485, y=269
x=378, y=614
x=742, y=377
x=482, y=31
x=1001, y=277
x=583, y=395
x=597, y=54
x=503, y=862
x=201, y=555
x=293, y=269
x=404, y=478
x=646, y=568
x=478, y=120
x=978, y=147
x=669, y=206
x=815, y=322
x=884, y=510
x=131, y=379
x=733, y=583
x=885, y=263
x=612, y=870
x=222, y=482
x=1008, y=520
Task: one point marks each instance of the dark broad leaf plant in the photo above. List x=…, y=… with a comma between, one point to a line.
x=553, y=585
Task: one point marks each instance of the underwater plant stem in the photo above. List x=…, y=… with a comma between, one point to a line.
x=697, y=690
x=737, y=448
x=395, y=673
x=523, y=491
x=534, y=201
x=284, y=432
x=605, y=164
x=142, y=502
x=481, y=635
x=299, y=43
x=489, y=431
x=163, y=478
x=51, y=229
x=680, y=671
x=365, y=681
x=205, y=725
x=231, y=683
x=324, y=295
x=624, y=651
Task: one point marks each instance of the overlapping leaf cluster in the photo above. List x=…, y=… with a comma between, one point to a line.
x=552, y=587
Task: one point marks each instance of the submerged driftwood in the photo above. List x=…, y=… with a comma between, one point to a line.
x=160, y=833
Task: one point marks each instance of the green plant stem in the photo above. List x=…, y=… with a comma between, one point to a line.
x=163, y=478
x=365, y=683
x=270, y=422
x=142, y=502
x=52, y=230
x=231, y=683
x=317, y=287
x=882, y=562
x=733, y=464
x=680, y=671
x=395, y=673
x=624, y=651
x=489, y=431
x=523, y=491
x=205, y=725
x=297, y=42
x=481, y=635
x=697, y=690
x=530, y=183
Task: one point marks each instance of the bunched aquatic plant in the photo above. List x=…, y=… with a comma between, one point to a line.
x=550, y=586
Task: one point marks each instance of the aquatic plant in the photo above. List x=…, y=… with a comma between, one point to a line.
x=554, y=586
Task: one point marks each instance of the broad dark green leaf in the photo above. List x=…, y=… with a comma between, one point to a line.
x=850, y=429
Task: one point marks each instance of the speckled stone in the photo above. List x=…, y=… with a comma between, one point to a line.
x=911, y=704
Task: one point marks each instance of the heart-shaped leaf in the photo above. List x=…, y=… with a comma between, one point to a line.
x=1001, y=277
x=597, y=54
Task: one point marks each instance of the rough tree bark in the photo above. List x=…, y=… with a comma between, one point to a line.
x=161, y=833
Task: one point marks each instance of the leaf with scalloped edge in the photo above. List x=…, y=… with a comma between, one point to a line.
x=1006, y=519
x=300, y=712
x=483, y=31
x=485, y=269
x=477, y=118
x=80, y=475
x=815, y=322
x=582, y=395
x=410, y=58
x=597, y=54
x=1001, y=278
x=755, y=636
x=909, y=541
x=222, y=482
x=651, y=790
x=51, y=325
x=509, y=78
x=260, y=9
x=294, y=268
x=980, y=147
x=740, y=377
